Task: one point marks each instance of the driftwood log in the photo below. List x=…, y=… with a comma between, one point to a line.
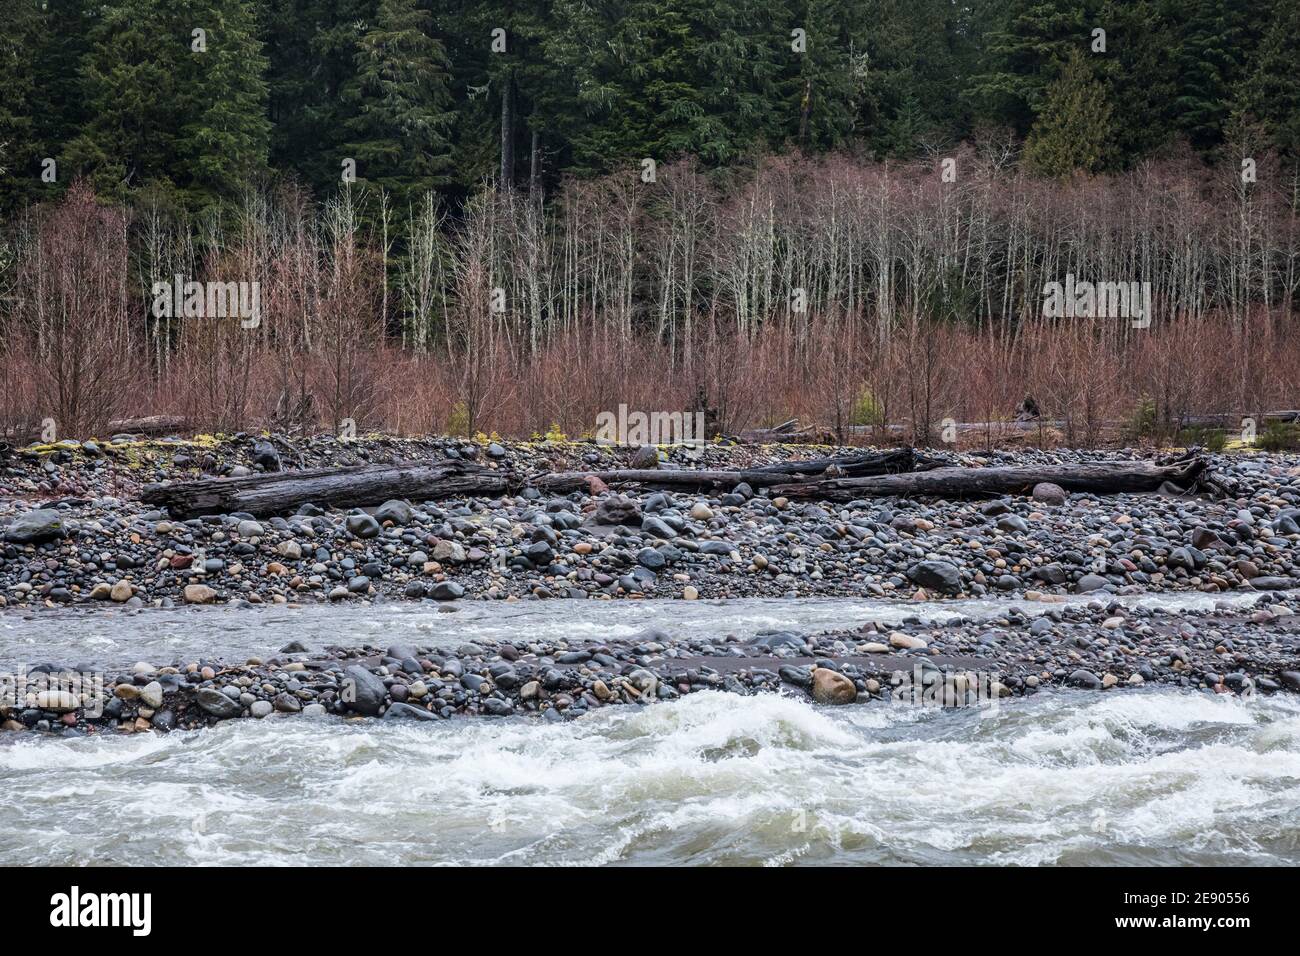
x=351, y=487
x=842, y=479
x=1102, y=478
x=764, y=476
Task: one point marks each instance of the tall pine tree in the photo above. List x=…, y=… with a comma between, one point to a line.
x=401, y=105
x=1073, y=130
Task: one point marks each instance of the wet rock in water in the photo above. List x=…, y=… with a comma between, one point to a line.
x=832, y=687
x=216, y=703
x=260, y=709
x=797, y=674
x=1273, y=583
x=363, y=692
x=938, y=576
x=1085, y=679
x=34, y=527
x=402, y=711
x=1049, y=493
x=199, y=594
x=121, y=591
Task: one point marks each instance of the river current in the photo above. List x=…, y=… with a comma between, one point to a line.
x=1154, y=776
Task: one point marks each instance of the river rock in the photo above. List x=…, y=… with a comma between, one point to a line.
x=363, y=691
x=645, y=457
x=216, y=703
x=199, y=594
x=152, y=694
x=832, y=687
x=396, y=511
x=362, y=525
x=1049, y=493
x=34, y=527
x=938, y=576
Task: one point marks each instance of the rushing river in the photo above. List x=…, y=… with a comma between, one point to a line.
x=1148, y=776
x=111, y=637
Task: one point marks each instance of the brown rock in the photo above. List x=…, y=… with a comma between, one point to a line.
x=199, y=594
x=832, y=687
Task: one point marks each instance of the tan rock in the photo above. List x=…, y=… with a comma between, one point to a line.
x=832, y=687
x=906, y=641
x=199, y=594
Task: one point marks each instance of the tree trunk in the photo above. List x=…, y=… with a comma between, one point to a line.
x=1101, y=478
x=282, y=492
x=534, y=164
x=508, y=132
x=761, y=477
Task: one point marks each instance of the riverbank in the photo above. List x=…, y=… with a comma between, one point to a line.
x=77, y=534
x=954, y=663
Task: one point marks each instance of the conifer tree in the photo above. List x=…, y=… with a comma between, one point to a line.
x=1073, y=130
x=401, y=105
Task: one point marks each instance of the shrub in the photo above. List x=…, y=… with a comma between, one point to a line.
x=1142, y=420
x=866, y=410
x=458, y=420
x=1279, y=436
x=1211, y=439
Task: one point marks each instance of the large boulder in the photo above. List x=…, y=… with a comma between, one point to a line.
x=266, y=455
x=1049, y=493
x=941, y=576
x=362, y=525
x=44, y=524
x=216, y=703
x=647, y=456
x=619, y=510
x=363, y=692
x=832, y=687
x=199, y=594
x=396, y=511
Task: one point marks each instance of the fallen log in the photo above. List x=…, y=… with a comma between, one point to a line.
x=763, y=476
x=148, y=425
x=1100, y=478
x=349, y=487
x=873, y=463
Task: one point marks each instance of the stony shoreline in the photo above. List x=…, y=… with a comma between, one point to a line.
x=75, y=532
x=1099, y=646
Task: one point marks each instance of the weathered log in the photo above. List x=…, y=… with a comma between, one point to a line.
x=350, y=487
x=148, y=425
x=1096, y=478
x=868, y=463
x=880, y=463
